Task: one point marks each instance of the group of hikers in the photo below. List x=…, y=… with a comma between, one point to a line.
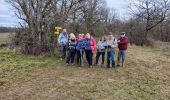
x=86, y=45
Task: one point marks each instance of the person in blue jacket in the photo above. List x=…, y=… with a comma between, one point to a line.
x=90, y=48
x=62, y=42
x=80, y=49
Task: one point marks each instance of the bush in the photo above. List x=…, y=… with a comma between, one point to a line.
x=3, y=45
x=28, y=44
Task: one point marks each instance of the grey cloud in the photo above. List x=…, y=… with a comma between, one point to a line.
x=7, y=16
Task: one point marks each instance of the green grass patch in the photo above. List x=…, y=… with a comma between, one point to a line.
x=145, y=77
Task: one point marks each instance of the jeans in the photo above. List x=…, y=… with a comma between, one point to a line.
x=89, y=57
x=122, y=55
x=71, y=55
x=110, y=56
x=80, y=54
x=98, y=56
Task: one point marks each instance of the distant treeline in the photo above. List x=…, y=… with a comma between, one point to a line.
x=7, y=29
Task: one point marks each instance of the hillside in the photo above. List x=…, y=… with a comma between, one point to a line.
x=7, y=29
x=146, y=77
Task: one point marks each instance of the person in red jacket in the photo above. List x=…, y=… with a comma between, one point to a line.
x=122, y=45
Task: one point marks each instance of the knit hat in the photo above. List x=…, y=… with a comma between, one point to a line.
x=72, y=36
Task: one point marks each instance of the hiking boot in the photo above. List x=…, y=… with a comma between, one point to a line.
x=108, y=63
x=113, y=65
x=118, y=65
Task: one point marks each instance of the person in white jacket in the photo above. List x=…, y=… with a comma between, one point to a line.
x=101, y=49
x=111, y=45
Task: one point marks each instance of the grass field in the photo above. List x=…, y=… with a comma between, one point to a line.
x=4, y=37
x=146, y=77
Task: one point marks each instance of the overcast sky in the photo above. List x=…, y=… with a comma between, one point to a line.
x=7, y=16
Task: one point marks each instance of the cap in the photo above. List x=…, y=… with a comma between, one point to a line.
x=122, y=33
x=110, y=33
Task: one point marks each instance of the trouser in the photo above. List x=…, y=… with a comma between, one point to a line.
x=71, y=55
x=122, y=55
x=89, y=57
x=80, y=54
x=110, y=56
x=63, y=50
x=98, y=56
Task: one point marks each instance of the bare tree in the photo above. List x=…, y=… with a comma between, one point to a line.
x=39, y=17
x=92, y=13
x=152, y=13
x=63, y=9
x=34, y=16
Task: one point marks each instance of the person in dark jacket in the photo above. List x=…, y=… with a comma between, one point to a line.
x=90, y=48
x=71, y=49
x=122, y=45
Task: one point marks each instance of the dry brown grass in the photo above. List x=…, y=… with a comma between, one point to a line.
x=146, y=77
x=4, y=37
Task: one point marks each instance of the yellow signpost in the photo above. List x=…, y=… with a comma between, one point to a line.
x=57, y=30
x=56, y=34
